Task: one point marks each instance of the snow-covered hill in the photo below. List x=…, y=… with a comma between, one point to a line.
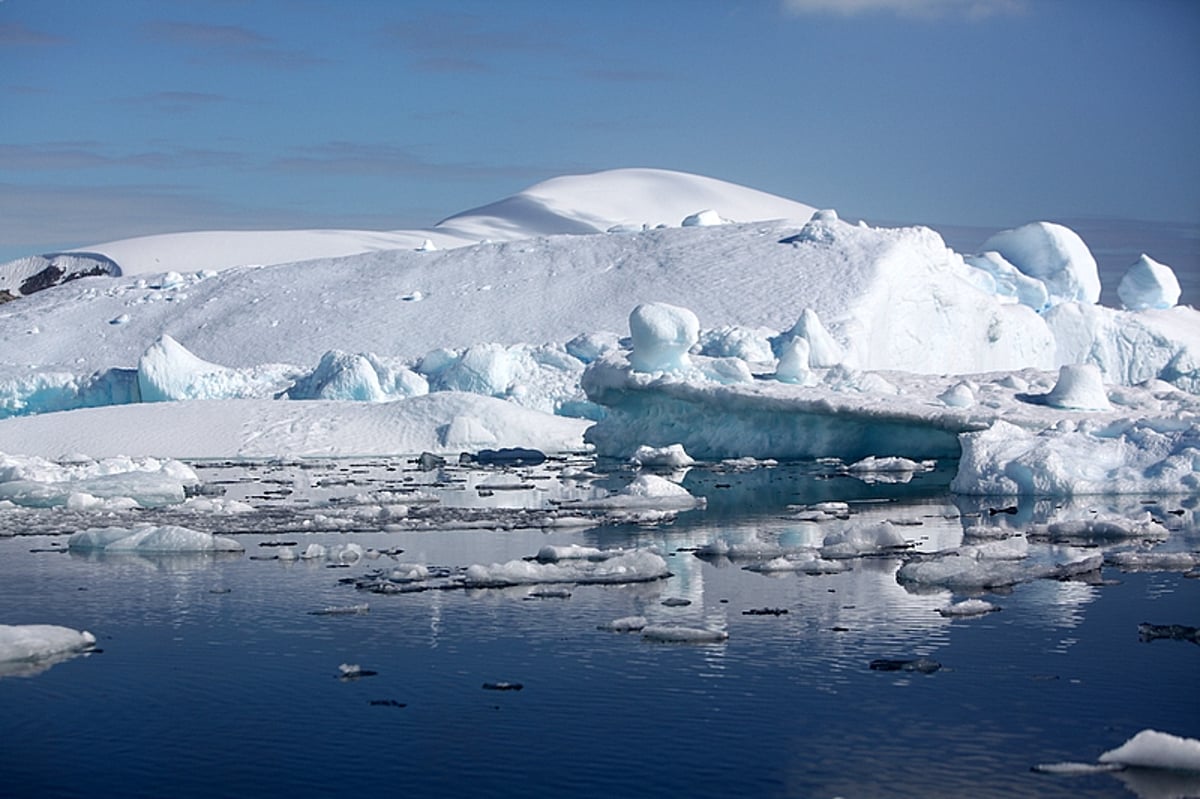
x=573, y=204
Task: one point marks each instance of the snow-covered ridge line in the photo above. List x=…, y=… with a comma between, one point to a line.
x=618, y=199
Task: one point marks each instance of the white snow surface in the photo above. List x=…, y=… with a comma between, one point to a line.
x=446, y=422
x=572, y=204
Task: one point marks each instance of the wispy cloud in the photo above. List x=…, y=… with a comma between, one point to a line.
x=176, y=102
x=930, y=9
x=356, y=158
x=44, y=157
x=229, y=42
x=14, y=34
x=626, y=75
x=459, y=42
x=59, y=156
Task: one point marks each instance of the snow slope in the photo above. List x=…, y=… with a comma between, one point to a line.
x=569, y=204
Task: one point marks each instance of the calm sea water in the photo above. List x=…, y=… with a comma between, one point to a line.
x=216, y=680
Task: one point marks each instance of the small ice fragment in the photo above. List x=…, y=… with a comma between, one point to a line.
x=968, y=607
x=688, y=635
x=624, y=624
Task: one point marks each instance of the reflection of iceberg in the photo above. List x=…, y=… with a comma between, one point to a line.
x=29, y=649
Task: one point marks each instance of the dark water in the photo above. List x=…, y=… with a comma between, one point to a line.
x=215, y=680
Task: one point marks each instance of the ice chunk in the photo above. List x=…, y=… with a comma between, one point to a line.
x=973, y=567
x=587, y=347
x=482, y=369
x=823, y=349
x=1148, y=284
x=1080, y=387
x=672, y=456
x=625, y=624
x=147, y=482
x=662, y=334
x=968, y=607
x=364, y=377
x=167, y=371
x=1142, y=457
x=859, y=540
x=794, y=363
x=630, y=567
x=1154, y=749
x=26, y=642
x=147, y=539
x=553, y=554
x=959, y=395
x=732, y=341
x=1009, y=281
x=1053, y=254
x=684, y=635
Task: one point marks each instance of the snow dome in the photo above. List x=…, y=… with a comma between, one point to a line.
x=1053, y=254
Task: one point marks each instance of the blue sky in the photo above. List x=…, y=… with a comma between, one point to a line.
x=127, y=117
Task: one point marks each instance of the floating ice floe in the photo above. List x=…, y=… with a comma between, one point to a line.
x=147, y=539
x=672, y=456
x=29, y=643
x=625, y=624
x=1100, y=529
x=857, y=540
x=1153, y=560
x=995, y=564
x=84, y=483
x=1147, y=456
x=967, y=608
x=1149, y=749
x=644, y=492
x=683, y=635
x=627, y=567
x=803, y=561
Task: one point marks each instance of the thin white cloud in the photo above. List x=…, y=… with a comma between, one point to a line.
x=930, y=9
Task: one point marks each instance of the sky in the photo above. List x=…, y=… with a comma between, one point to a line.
x=130, y=117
